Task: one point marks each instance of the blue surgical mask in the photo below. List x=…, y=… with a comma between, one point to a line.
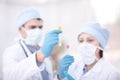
x=34, y=36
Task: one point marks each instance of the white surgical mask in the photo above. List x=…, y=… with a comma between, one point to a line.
x=87, y=52
x=34, y=36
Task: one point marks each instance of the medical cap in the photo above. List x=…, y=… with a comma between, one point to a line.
x=26, y=15
x=98, y=32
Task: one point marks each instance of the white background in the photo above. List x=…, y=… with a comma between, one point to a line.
x=71, y=15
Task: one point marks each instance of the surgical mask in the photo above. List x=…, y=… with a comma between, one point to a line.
x=87, y=52
x=34, y=36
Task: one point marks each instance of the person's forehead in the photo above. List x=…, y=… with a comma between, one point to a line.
x=34, y=21
x=85, y=35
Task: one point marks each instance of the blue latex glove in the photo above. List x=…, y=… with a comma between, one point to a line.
x=51, y=39
x=68, y=76
x=65, y=62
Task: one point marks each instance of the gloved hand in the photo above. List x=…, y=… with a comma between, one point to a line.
x=51, y=39
x=65, y=62
x=68, y=76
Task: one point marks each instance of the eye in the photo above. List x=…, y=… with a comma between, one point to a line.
x=90, y=40
x=32, y=27
x=40, y=27
x=81, y=40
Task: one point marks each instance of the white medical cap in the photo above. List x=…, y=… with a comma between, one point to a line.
x=98, y=32
x=26, y=15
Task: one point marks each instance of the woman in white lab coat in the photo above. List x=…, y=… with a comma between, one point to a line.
x=25, y=60
x=92, y=66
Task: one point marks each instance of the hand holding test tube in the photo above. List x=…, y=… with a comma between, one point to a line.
x=69, y=52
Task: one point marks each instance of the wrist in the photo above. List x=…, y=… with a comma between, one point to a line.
x=59, y=78
x=68, y=76
x=39, y=56
x=44, y=51
x=61, y=74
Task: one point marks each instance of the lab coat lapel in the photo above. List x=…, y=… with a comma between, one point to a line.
x=75, y=70
x=25, y=47
x=95, y=70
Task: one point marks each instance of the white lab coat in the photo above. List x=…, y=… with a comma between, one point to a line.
x=16, y=66
x=102, y=70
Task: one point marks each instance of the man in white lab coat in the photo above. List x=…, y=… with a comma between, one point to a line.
x=92, y=66
x=26, y=60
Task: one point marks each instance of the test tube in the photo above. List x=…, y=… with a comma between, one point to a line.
x=68, y=52
x=60, y=41
x=67, y=47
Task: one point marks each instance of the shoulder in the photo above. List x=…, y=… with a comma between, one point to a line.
x=108, y=66
x=113, y=73
x=13, y=47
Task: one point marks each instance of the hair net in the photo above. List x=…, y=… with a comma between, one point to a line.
x=26, y=15
x=98, y=32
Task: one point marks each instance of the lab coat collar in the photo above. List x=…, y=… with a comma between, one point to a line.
x=96, y=68
x=25, y=47
x=32, y=48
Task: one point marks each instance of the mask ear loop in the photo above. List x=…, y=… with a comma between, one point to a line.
x=100, y=48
